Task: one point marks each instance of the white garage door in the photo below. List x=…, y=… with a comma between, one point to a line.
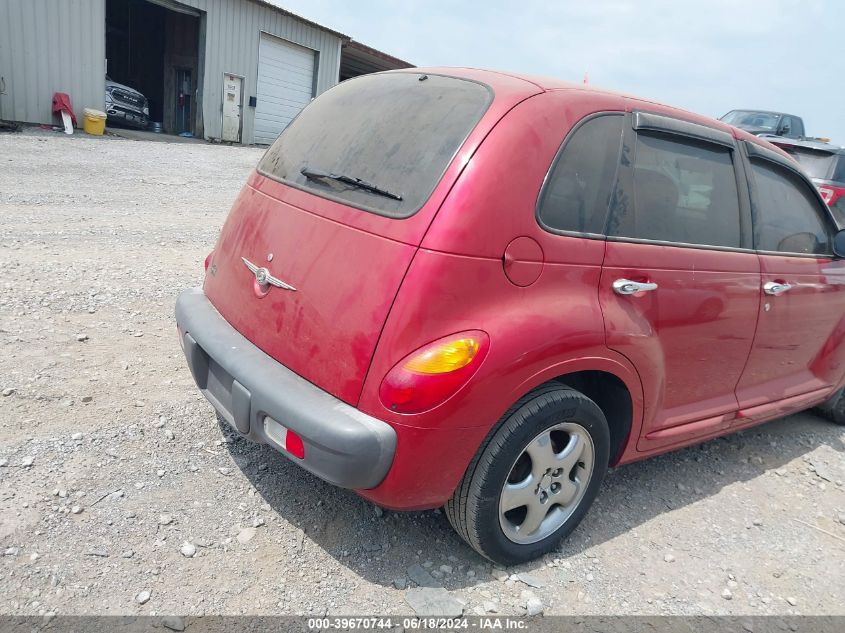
x=285, y=86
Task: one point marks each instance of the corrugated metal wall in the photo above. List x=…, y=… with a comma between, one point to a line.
x=231, y=35
x=49, y=46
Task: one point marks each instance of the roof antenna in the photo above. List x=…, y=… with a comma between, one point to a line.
x=586, y=78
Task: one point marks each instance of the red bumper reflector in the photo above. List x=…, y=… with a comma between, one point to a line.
x=294, y=445
x=284, y=438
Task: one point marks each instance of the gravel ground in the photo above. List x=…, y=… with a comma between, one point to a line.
x=121, y=494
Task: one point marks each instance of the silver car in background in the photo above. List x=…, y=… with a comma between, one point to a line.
x=126, y=106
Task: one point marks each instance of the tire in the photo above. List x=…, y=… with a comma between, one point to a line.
x=833, y=408
x=549, y=417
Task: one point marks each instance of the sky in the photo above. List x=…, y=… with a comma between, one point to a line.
x=708, y=56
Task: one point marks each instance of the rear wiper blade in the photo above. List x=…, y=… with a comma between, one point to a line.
x=315, y=174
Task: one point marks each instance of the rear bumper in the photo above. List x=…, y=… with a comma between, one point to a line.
x=342, y=445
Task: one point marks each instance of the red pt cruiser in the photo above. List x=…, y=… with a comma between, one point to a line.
x=466, y=288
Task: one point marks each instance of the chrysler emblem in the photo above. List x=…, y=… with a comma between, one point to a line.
x=264, y=278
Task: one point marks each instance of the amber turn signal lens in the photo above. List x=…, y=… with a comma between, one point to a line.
x=445, y=357
x=431, y=375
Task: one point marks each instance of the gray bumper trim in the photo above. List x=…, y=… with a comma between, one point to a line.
x=342, y=445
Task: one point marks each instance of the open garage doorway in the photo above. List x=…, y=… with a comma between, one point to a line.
x=154, y=61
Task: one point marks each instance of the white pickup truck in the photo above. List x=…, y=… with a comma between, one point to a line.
x=126, y=106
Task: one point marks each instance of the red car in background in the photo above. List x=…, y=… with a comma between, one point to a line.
x=479, y=290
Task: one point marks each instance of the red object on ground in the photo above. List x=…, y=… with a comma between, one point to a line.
x=61, y=103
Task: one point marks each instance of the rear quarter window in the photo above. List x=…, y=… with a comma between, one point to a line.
x=576, y=194
x=396, y=131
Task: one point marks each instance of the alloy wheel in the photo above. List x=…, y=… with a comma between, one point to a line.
x=546, y=483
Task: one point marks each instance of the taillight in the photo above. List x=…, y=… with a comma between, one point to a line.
x=208, y=260
x=831, y=194
x=827, y=194
x=434, y=373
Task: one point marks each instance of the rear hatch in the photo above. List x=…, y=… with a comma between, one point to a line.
x=336, y=211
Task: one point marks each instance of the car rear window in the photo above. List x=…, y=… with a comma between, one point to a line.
x=817, y=164
x=397, y=132
x=839, y=172
x=762, y=120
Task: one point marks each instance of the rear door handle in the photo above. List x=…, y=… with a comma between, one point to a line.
x=775, y=288
x=628, y=287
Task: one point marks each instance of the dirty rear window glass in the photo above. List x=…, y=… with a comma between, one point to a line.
x=817, y=164
x=395, y=132
x=839, y=172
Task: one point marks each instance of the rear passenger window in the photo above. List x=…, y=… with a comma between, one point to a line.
x=577, y=191
x=683, y=192
x=788, y=216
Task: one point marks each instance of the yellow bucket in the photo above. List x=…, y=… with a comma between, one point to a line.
x=94, y=122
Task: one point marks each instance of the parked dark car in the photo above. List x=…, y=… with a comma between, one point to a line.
x=764, y=122
x=825, y=164
x=463, y=288
x=126, y=106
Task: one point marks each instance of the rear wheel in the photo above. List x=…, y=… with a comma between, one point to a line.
x=834, y=408
x=535, y=478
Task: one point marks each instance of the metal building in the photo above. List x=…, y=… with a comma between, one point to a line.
x=233, y=70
